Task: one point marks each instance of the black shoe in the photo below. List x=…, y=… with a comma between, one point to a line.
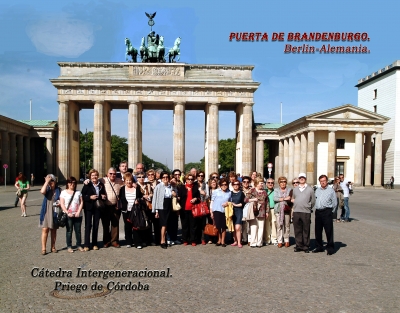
x=163, y=245
x=297, y=249
x=306, y=251
x=329, y=252
x=316, y=250
x=223, y=245
x=217, y=244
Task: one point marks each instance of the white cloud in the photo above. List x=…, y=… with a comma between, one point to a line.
x=61, y=36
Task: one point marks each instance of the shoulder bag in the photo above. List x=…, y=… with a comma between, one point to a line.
x=210, y=230
x=62, y=217
x=200, y=209
x=175, y=204
x=119, y=202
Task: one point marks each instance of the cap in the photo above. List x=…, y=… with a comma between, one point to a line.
x=303, y=175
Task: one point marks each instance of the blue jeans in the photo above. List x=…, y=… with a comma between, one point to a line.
x=74, y=223
x=346, y=209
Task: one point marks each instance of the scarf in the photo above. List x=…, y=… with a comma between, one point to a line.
x=57, y=192
x=188, y=204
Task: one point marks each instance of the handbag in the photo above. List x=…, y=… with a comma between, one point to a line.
x=200, y=209
x=62, y=217
x=137, y=218
x=175, y=204
x=210, y=230
x=100, y=205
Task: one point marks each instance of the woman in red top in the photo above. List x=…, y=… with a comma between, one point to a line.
x=188, y=194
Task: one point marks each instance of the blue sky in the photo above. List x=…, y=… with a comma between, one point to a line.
x=35, y=35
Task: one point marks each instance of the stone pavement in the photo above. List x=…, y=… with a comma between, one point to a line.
x=362, y=276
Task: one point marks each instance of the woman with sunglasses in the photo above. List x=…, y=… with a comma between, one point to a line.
x=237, y=199
x=340, y=199
x=188, y=196
x=162, y=204
x=204, y=195
x=72, y=204
x=154, y=222
x=282, y=210
x=214, y=175
x=295, y=183
x=219, y=201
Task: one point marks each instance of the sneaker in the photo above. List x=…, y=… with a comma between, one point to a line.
x=171, y=243
x=168, y=242
x=24, y=214
x=139, y=247
x=70, y=250
x=128, y=246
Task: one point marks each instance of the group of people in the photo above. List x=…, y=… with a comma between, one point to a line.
x=256, y=215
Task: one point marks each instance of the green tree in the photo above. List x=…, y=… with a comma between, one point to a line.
x=226, y=154
x=119, y=150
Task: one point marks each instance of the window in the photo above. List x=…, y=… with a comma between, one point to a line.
x=375, y=93
x=339, y=168
x=340, y=143
x=375, y=109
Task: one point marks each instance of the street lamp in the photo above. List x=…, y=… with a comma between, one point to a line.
x=270, y=166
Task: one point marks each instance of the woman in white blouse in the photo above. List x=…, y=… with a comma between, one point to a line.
x=130, y=196
x=72, y=204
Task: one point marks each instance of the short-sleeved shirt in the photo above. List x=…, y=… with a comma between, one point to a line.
x=219, y=197
x=74, y=206
x=345, y=187
x=238, y=197
x=23, y=185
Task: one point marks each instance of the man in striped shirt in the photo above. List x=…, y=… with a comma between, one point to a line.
x=325, y=204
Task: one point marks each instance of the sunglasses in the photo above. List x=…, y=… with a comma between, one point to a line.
x=150, y=174
x=165, y=177
x=140, y=177
x=295, y=182
x=189, y=179
x=112, y=174
x=177, y=174
x=270, y=182
x=283, y=181
x=224, y=184
x=200, y=175
x=245, y=181
x=214, y=177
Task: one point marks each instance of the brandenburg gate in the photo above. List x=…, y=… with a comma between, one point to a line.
x=152, y=86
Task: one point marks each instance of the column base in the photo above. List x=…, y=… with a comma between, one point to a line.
x=378, y=187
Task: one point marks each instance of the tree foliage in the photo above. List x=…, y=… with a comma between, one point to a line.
x=119, y=152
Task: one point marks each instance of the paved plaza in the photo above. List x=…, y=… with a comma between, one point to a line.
x=362, y=276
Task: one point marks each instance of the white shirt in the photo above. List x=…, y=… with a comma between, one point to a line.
x=345, y=186
x=74, y=206
x=302, y=188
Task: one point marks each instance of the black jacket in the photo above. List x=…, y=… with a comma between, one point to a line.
x=89, y=190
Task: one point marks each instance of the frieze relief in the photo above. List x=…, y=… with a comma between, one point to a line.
x=156, y=71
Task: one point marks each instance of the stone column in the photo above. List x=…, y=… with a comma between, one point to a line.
x=63, y=141
x=296, y=168
x=281, y=157
x=331, y=154
x=367, y=160
x=28, y=155
x=303, y=154
x=247, y=131
x=20, y=154
x=310, y=158
x=179, y=136
x=5, y=154
x=260, y=155
x=13, y=156
x=285, y=157
x=133, y=133
x=291, y=159
x=98, y=138
x=212, y=116
x=49, y=155
x=275, y=173
x=378, y=161
x=358, y=162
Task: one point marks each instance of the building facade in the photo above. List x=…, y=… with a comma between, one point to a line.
x=379, y=92
x=345, y=139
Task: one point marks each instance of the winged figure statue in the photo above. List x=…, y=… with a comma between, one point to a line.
x=150, y=16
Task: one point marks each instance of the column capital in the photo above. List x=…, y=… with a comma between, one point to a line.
x=248, y=104
x=179, y=102
x=214, y=103
x=98, y=101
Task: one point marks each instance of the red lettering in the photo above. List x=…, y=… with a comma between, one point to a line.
x=290, y=37
x=231, y=36
x=251, y=36
x=258, y=36
x=245, y=37
x=264, y=37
